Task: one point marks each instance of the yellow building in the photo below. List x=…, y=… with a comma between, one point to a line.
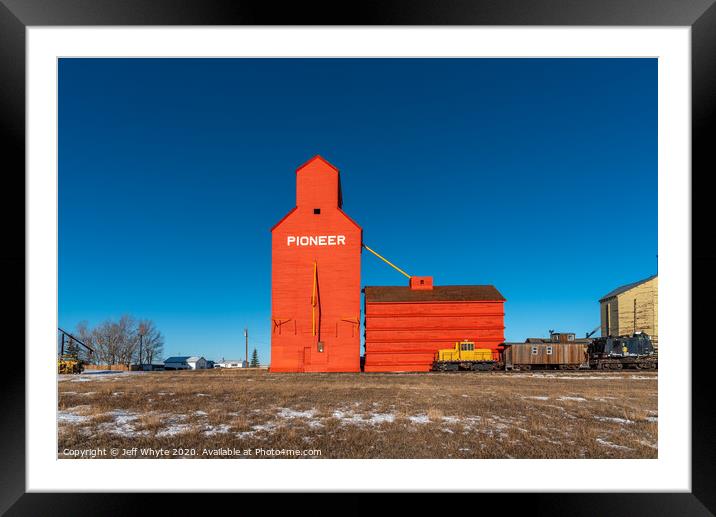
x=632, y=308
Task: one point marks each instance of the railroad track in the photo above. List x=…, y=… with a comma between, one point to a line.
x=579, y=371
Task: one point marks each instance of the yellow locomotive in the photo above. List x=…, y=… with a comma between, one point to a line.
x=463, y=356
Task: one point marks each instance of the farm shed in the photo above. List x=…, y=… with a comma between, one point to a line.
x=315, y=278
x=406, y=325
x=632, y=308
x=185, y=363
x=231, y=363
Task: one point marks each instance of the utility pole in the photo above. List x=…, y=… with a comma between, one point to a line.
x=142, y=331
x=246, y=335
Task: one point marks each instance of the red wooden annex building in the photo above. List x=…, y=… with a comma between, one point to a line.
x=405, y=326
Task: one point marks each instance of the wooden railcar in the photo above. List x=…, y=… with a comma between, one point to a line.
x=546, y=355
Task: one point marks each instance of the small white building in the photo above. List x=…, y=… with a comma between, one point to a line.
x=230, y=363
x=185, y=363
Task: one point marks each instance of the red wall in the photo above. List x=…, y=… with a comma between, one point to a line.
x=294, y=347
x=404, y=336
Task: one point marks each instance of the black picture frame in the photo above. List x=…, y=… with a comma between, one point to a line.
x=700, y=15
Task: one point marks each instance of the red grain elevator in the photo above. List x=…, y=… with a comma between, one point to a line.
x=315, y=278
x=406, y=325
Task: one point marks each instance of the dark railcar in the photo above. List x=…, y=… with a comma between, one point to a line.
x=615, y=353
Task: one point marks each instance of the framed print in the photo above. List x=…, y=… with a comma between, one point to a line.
x=419, y=249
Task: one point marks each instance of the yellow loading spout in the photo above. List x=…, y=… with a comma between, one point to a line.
x=386, y=261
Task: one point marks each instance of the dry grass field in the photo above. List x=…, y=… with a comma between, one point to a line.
x=254, y=414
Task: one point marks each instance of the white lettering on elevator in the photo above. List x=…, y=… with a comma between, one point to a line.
x=316, y=240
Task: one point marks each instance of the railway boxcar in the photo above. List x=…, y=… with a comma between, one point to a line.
x=558, y=352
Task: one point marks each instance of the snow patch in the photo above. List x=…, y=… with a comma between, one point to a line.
x=291, y=413
x=381, y=418
x=173, y=430
x=614, y=419
x=66, y=417
x=419, y=419
x=600, y=441
x=469, y=422
x=268, y=426
x=580, y=399
x=122, y=424
x=349, y=417
x=499, y=425
x=122, y=417
x=81, y=407
x=218, y=429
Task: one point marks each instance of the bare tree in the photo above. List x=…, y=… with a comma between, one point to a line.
x=105, y=343
x=85, y=334
x=127, y=338
x=152, y=341
x=118, y=342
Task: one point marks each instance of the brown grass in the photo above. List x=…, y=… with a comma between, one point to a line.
x=435, y=415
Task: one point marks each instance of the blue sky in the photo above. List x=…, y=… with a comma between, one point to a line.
x=510, y=172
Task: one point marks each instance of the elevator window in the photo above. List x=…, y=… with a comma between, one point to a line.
x=317, y=211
